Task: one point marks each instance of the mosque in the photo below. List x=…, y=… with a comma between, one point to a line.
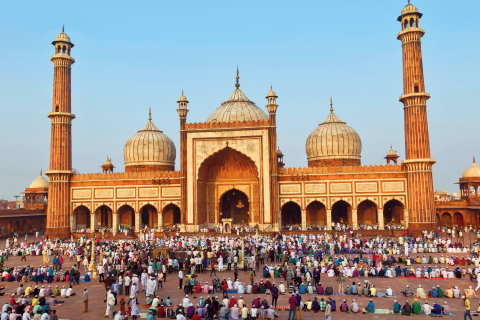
x=231, y=170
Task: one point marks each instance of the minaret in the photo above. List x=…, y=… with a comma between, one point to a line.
x=182, y=113
x=272, y=153
x=418, y=162
x=58, y=213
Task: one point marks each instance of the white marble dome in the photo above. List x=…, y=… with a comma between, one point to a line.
x=472, y=172
x=149, y=146
x=237, y=108
x=40, y=182
x=333, y=139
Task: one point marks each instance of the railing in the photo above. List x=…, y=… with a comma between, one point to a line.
x=233, y=124
x=126, y=175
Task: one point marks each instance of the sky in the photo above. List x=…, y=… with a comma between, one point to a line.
x=134, y=55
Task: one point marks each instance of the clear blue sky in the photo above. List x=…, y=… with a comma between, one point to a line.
x=132, y=55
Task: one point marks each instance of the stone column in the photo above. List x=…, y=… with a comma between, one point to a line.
x=93, y=222
x=160, y=220
x=278, y=227
x=304, y=220
x=328, y=214
x=381, y=223
x=73, y=222
x=138, y=222
x=354, y=219
x=115, y=221
x=406, y=217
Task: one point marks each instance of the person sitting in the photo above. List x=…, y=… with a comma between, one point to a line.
x=436, y=308
x=329, y=291
x=433, y=293
x=320, y=289
x=354, y=307
x=396, y=307
x=344, y=306
x=407, y=308
x=70, y=292
x=373, y=291
x=389, y=292
x=427, y=309
x=370, y=307
x=445, y=308
x=302, y=289
x=315, y=305
x=421, y=292
x=416, y=308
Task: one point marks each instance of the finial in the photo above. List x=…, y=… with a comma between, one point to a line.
x=182, y=92
x=331, y=105
x=42, y=170
x=474, y=159
x=227, y=143
x=408, y=1
x=237, y=84
x=150, y=113
x=271, y=87
x=63, y=28
x=391, y=146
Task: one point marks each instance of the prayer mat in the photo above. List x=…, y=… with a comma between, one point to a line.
x=440, y=315
x=378, y=311
x=232, y=291
x=384, y=294
x=438, y=278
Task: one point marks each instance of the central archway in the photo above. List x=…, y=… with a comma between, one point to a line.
x=367, y=213
x=104, y=216
x=234, y=205
x=315, y=214
x=126, y=216
x=223, y=171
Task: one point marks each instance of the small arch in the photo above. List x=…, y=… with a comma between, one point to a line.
x=315, y=213
x=416, y=88
x=446, y=219
x=82, y=217
x=57, y=108
x=458, y=219
x=405, y=24
x=437, y=220
x=393, y=212
x=126, y=216
x=412, y=22
x=342, y=212
x=34, y=200
x=59, y=49
x=367, y=213
x=104, y=216
x=171, y=215
x=149, y=216
x=64, y=49
x=291, y=214
x=40, y=200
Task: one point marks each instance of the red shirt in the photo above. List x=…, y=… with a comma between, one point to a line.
x=225, y=286
x=213, y=265
x=293, y=302
x=196, y=317
x=233, y=301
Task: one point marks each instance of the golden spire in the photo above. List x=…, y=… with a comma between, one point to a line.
x=271, y=87
x=42, y=170
x=237, y=84
x=63, y=28
x=150, y=113
x=331, y=105
x=473, y=158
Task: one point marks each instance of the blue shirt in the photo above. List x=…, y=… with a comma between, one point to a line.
x=302, y=289
x=299, y=299
x=371, y=307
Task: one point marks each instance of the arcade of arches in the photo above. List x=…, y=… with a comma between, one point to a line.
x=126, y=216
x=218, y=200
x=366, y=213
x=449, y=220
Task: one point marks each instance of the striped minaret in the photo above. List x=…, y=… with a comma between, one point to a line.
x=58, y=214
x=418, y=163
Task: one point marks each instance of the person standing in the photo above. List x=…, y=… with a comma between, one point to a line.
x=85, y=299
x=340, y=280
x=180, y=279
x=466, y=303
x=293, y=306
x=328, y=310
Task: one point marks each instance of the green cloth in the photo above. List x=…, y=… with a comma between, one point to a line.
x=416, y=308
x=440, y=293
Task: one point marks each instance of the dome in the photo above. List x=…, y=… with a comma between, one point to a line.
x=107, y=162
x=271, y=93
x=150, y=148
x=409, y=8
x=62, y=37
x=391, y=152
x=333, y=140
x=237, y=108
x=279, y=152
x=472, y=172
x=182, y=98
x=40, y=182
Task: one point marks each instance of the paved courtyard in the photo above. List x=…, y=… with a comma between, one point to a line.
x=73, y=307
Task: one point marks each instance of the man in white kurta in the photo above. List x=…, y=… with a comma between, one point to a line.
x=150, y=287
x=220, y=263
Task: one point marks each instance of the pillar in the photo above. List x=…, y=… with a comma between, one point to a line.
x=115, y=223
x=73, y=222
x=406, y=217
x=279, y=227
x=93, y=222
x=160, y=221
x=381, y=223
x=329, y=219
x=304, y=220
x=182, y=113
x=354, y=219
x=138, y=222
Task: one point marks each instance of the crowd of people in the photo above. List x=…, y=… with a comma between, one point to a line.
x=296, y=263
